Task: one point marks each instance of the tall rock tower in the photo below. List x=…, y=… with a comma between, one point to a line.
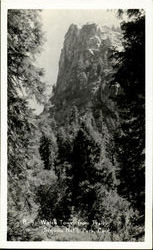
x=85, y=68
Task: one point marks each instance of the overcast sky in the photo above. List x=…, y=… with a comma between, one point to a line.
x=56, y=24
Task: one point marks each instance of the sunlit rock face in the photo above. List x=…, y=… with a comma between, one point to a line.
x=85, y=68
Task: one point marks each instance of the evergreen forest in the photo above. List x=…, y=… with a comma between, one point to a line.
x=76, y=171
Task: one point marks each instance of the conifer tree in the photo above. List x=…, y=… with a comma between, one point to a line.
x=83, y=173
x=130, y=142
x=25, y=39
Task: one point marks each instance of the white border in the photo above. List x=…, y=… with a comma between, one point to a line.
x=77, y=4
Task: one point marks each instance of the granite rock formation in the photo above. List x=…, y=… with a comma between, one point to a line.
x=85, y=69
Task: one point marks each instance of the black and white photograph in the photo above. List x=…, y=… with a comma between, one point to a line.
x=76, y=125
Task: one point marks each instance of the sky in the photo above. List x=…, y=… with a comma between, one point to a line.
x=55, y=25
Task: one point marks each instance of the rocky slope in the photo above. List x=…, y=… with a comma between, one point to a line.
x=85, y=70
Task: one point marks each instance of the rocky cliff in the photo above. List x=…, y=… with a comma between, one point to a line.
x=85, y=70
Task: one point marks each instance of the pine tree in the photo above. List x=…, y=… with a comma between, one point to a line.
x=25, y=39
x=84, y=173
x=130, y=142
x=48, y=150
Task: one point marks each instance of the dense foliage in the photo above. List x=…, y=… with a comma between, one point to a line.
x=24, y=82
x=78, y=173
x=131, y=105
